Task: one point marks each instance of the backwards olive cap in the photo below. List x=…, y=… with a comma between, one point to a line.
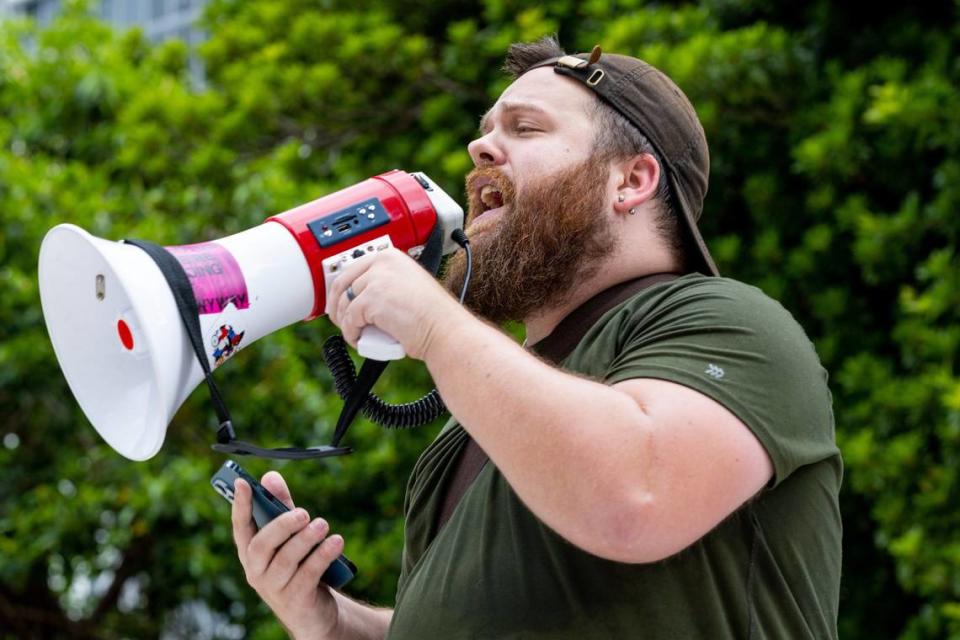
x=651, y=101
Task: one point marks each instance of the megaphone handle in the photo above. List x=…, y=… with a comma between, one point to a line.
x=377, y=345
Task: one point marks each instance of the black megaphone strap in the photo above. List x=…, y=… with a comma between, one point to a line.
x=182, y=291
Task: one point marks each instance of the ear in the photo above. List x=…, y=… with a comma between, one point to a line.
x=639, y=177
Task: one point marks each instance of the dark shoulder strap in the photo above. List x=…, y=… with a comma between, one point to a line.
x=553, y=348
x=472, y=461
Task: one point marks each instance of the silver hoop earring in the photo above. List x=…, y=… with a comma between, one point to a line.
x=632, y=211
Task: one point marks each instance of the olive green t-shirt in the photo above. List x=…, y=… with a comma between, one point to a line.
x=770, y=570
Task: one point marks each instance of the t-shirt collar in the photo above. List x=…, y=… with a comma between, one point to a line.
x=556, y=346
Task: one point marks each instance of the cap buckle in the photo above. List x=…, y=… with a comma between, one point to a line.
x=572, y=62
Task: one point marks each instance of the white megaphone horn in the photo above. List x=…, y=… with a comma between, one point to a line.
x=115, y=325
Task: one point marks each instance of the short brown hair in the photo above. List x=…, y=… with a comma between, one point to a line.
x=617, y=138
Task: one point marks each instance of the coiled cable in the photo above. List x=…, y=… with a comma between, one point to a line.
x=391, y=416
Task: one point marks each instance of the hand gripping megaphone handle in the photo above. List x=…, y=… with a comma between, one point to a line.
x=374, y=343
x=378, y=345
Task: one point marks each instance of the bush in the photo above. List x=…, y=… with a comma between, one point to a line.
x=836, y=180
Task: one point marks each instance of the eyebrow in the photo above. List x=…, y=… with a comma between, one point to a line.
x=512, y=107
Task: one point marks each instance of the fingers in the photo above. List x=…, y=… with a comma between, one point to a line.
x=275, y=484
x=350, y=273
x=291, y=554
x=343, y=303
x=241, y=515
x=288, y=552
x=308, y=576
x=263, y=546
x=353, y=321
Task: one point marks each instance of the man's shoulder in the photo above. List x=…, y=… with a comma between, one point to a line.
x=689, y=318
x=711, y=300
x=701, y=289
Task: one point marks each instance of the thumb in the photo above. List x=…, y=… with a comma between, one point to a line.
x=276, y=485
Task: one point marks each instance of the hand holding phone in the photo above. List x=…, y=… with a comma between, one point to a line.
x=266, y=507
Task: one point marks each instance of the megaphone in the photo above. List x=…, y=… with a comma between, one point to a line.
x=114, y=321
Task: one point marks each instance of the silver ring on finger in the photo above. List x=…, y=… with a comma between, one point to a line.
x=350, y=294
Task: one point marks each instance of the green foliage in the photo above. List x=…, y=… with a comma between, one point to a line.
x=835, y=184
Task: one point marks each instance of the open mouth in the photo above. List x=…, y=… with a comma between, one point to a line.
x=489, y=201
x=490, y=197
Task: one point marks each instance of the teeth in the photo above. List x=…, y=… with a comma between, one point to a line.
x=490, y=195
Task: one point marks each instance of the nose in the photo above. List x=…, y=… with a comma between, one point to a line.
x=485, y=152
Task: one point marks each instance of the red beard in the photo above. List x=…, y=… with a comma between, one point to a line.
x=549, y=238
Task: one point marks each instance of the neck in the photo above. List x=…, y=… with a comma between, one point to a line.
x=543, y=323
x=621, y=265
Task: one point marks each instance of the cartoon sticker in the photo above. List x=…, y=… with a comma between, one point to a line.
x=225, y=341
x=215, y=276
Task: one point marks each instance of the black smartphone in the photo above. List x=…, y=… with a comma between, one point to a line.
x=266, y=507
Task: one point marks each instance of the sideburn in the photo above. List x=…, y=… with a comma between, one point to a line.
x=552, y=237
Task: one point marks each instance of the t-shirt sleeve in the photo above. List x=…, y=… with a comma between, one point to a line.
x=739, y=347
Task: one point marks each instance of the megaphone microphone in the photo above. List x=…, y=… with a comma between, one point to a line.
x=136, y=327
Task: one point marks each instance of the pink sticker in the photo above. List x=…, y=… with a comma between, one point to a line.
x=214, y=274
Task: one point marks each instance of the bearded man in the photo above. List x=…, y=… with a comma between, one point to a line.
x=658, y=459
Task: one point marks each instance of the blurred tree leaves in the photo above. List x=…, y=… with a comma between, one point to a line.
x=835, y=149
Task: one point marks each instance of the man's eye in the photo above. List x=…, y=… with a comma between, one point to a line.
x=522, y=128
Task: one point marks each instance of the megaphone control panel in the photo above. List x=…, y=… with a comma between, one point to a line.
x=350, y=222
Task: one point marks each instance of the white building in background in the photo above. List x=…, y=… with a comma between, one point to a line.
x=159, y=19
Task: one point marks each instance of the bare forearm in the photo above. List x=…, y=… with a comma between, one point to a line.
x=561, y=441
x=360, y=621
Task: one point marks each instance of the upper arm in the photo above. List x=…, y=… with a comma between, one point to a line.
x=704, y=463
